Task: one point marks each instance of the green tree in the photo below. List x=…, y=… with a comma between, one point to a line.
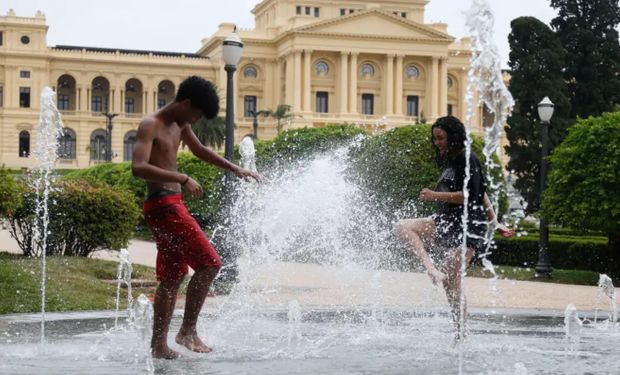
x=211, y=132
x=536, y=62
x=587, y=29
x=10, y=193
x=282, y=112
x=584, y=184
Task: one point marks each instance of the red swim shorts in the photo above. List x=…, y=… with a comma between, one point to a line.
x=180, y=240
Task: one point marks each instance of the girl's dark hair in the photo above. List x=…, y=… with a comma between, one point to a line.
x=201, y=93
x=455, y=130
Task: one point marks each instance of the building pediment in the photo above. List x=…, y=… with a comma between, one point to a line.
x=376, y=24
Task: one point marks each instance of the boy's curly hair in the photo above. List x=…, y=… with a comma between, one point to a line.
x=201, y=93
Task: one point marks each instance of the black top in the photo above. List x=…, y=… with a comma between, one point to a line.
x=452, y=180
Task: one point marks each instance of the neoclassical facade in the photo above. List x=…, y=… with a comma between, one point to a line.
x=374, y=63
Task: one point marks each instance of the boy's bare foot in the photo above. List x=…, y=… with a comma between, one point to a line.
x=193, y=343
x=164, y=352
x=436, y=277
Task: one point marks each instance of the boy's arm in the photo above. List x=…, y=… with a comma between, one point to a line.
x=204, y=153
x=140, y=165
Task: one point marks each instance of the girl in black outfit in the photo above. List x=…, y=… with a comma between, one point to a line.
x=444, y=230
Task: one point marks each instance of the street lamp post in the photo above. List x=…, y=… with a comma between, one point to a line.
x=543, y=268
x=108, y=148
x=232, y=50
x=254, y=124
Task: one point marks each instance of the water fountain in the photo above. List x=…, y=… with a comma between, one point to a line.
x=123, y=276
x=307, y=222
x=46, y=153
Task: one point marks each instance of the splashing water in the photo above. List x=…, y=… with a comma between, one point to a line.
x=572, y=324
x=485, y=78
x=46, y=153
x=248, y=154
x=123, y=275
x=142, y=320
x=606, y=289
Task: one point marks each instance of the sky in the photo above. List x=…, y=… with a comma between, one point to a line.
x=180, y=25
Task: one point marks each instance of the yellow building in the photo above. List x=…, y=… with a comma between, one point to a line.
x=374, y=63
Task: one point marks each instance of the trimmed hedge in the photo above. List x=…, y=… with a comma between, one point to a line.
x=566, y=252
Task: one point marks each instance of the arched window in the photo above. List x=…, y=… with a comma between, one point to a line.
x=66, y=145
x=98, y=145
x=250, y=72
x=412, y=72
x=450, y=82
x=368, y=70
x=321, y=68
x=128, y=143
x=24, y=144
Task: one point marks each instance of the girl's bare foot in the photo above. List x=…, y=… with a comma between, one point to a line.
x=436, y=277
x=164, y=352
x=193, y=343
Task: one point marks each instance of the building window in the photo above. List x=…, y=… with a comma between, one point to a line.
x=24, y=144
x=1, y=96
x=1, y=37
x=412, y=105
x=412, y=72
x=322, y=102
x=351, y=11
x=250, y=72
x=368, y=104
x=24, y=74
x=307, y=11
x=343, y=11
x=321, y=68
x=24, y=97
x=450, y=109
x=63, y=102
x=249, y=105
x=98, y=145
x=368, y=70
x=450, y=82
x=403, y=14
x=298, y=10
x=130, y=105
x=97, y=104
x=128, y=145
x=25, y=39
x=66, y=145
x=161, y=103
x=317, y=12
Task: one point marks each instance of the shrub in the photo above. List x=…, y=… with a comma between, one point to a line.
x=394, y=166
x=82, y=218
x=566, y=252
x=10, y=193
x=115, y=175
x=295, y=144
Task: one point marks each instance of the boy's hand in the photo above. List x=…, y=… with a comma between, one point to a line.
x=193, y=188
x=246, y=174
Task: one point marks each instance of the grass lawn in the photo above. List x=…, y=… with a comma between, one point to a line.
x=73, y=283
x=527, y=274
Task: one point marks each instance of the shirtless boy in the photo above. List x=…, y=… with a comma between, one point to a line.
x=180, y=241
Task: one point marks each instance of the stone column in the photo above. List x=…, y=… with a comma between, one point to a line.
x=89, y=101
x=463, y=94
x=343, y=82
x=297, y=86
x=290, y=72
x=307, y=81
x=389, y=84
x=353, y=83
x=277, y=84
x=443, y=84
x=398, y=92
x=82, y=90
x=434, y=94
x=145, y=99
